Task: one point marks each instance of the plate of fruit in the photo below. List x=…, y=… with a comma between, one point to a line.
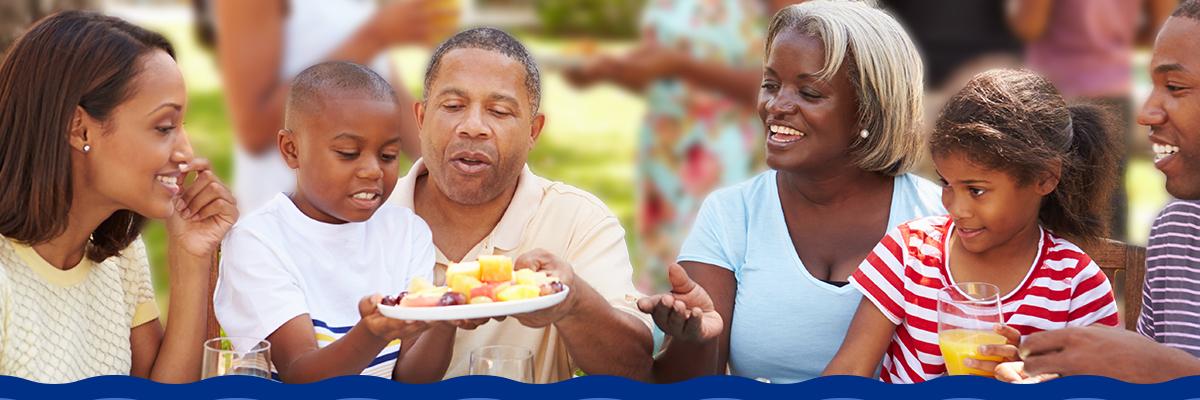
x=485, y=288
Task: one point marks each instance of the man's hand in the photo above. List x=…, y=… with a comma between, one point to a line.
x=1105, y=351
x=542, y=260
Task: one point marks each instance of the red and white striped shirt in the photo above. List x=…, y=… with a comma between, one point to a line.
x=904, y=272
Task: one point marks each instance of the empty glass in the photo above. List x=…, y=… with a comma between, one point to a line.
x=236, y=356
x=510, y=362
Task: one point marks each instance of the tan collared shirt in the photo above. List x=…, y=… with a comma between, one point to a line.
x=563, y=220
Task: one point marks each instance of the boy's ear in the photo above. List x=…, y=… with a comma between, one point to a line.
x=419, y=114
x=288, y=148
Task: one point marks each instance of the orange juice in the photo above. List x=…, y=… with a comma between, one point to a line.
x=958, y=344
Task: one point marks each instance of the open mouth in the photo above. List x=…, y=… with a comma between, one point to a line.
x=471, y=163
x=784, y=134
x=1163, y=152
x=170, y=181
x=367, y=199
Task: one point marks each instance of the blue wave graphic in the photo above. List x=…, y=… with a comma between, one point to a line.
x=598, y=387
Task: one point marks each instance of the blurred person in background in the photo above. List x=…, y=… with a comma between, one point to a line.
x=1085, y=47
x=18, y=15
x=957, y=39
x=260, y=45
x=698, y=63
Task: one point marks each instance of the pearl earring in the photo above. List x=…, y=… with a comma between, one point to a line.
x=87, y=148
x=864, y=134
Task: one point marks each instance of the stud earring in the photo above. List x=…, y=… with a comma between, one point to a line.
x=864, y=134
x=87, y=148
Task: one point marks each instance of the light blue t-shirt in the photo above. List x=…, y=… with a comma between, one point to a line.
x=787, y=324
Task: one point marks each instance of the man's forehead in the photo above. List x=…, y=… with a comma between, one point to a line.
x=469, y=70
x=1177, y=48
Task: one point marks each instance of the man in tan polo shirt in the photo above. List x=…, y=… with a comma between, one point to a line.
x=478, y=121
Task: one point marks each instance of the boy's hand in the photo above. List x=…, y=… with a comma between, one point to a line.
x=386, y=328
x=1007, y=352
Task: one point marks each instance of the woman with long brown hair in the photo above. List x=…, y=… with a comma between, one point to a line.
x=91, y=145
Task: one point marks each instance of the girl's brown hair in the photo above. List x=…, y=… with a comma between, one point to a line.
x=1016, y=121
x=67, y=60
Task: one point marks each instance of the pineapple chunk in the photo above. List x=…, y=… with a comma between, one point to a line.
x=495, y=268
x=480, y=300
x=463, y=284
x=418, y=284
x=470, y=268
x=518, y=292
x=531, y=277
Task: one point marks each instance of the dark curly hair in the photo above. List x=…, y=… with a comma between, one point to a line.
x=1015, y=121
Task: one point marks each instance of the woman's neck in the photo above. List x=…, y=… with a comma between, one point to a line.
x=66, y=250
x=831, y=186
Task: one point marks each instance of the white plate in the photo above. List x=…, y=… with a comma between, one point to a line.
x=473, y=311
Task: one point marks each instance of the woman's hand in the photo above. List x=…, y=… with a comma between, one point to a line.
x=687, y=313
x=204, y=212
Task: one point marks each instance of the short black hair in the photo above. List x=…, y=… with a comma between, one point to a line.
x=334, y=77
x=1188, y=9
x=490, y=39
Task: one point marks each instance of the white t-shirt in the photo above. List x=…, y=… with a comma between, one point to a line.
x=278, y=263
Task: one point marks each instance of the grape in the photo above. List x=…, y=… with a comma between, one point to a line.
x=388, y=301
x=452, y=299
x=551, y=288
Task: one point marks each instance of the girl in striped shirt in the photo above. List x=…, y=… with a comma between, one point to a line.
x=1020, y=171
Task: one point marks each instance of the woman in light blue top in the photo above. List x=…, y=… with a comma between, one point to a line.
x=840, y=102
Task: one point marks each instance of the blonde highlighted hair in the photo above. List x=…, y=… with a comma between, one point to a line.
x=884, y=68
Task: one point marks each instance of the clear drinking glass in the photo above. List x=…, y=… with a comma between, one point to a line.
x=236, y=356
x=967, y=314
x=510, y=362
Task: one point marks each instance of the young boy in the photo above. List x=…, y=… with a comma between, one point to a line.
x=293, y=272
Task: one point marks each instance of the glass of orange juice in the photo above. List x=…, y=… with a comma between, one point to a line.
x=967, y=313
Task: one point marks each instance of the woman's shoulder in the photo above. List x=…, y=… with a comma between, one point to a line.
x=920, y=194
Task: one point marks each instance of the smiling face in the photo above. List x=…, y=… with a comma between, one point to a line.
x=477, y=126
x=344, y=151
x=134, y=156
x=989, y=207
x=1173, y=109
x=810, y=123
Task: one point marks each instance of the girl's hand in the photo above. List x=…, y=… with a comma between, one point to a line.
x=1008, y=352
x=1014, y=372
x=204, y=212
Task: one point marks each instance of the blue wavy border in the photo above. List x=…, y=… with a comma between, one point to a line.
x=593, y=387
